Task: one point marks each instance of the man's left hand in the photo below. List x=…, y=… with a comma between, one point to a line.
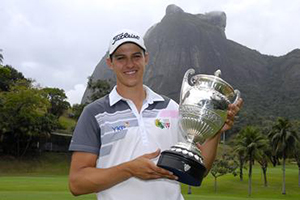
x=232, y=111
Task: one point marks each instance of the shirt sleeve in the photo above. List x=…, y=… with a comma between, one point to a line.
x=86, y=136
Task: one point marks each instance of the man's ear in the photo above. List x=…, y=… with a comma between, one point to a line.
x=109, y=63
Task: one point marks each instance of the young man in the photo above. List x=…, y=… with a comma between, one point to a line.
x=117, y=139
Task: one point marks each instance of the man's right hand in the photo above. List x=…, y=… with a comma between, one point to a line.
x=144, y=168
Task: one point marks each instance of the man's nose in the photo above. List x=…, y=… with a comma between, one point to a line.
x=129, y=63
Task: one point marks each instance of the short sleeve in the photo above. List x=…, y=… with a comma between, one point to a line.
x=86, y=136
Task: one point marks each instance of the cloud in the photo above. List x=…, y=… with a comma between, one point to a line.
x=74, y=95
x=59, y=42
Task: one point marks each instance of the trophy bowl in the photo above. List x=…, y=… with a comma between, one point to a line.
x=204, y=101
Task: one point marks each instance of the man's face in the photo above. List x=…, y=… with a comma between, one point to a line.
x=128, y=63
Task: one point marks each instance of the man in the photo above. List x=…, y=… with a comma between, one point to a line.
x=118, y=138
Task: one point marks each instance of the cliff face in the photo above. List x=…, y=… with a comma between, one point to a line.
x=181, y=41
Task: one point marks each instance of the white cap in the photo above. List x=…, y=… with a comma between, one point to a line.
x=124, y=36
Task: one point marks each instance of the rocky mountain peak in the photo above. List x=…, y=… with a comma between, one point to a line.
x=172, y=9
x=182, y=40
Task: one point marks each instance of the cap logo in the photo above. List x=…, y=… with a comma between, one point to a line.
x=124, y=35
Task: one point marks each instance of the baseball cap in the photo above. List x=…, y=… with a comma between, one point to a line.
x=123, y=36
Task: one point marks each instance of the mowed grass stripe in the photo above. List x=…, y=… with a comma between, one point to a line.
x=39, y=186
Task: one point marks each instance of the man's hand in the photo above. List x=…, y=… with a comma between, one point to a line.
x=143, y=168
x=232, y=111
x=209, y=148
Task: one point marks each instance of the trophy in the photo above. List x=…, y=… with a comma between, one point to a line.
x=204, y=101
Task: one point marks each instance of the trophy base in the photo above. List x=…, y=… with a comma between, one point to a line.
x=188, y=170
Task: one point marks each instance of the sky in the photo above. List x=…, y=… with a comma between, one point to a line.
x=58, y=43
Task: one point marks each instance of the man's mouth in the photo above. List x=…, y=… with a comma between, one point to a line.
x=131, y=72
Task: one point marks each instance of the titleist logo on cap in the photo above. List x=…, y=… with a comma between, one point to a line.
x=124, y=35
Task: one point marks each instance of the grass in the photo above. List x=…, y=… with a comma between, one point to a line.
x=45, y=164
x=230, y=187
x=46, y=178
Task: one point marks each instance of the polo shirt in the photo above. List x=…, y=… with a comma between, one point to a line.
x=112, y=128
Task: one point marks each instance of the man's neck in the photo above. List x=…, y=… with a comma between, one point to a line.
x=135, y=94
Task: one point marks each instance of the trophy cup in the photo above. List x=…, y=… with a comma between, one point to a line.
x=204, y=101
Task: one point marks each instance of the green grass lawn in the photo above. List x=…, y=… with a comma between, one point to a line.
x=47, y=179
x=230, y=187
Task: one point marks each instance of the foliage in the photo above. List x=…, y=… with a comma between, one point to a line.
x=284, y=139
x=263, y=161
x=57, y=99
x=251, y=144
x=9, y=77
x=297, y=157
x=223, y=166
x=24, y=116
x=77, y=110
x=98, y=88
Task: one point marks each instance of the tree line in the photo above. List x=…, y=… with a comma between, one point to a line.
x=27, y=112
x=271, y=144
x=30, y=113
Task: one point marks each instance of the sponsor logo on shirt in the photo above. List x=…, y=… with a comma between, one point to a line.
x=121, y=127
x=162, y=123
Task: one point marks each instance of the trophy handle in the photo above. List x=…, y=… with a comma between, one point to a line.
x=184, y=93
x=237, y=96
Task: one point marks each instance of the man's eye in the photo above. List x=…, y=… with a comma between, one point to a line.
x=120, y=58
x=137, y=56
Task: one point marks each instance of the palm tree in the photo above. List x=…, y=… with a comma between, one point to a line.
x=263, y=161
x=297, y=150
x=252, y=143
x=240, y=154
x=284, y=139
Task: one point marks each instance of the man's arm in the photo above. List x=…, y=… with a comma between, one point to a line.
x=209, y=148
x=85, y=178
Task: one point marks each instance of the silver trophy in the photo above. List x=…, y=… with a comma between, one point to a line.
x=204, y=101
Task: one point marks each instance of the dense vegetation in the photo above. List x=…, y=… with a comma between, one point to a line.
x=27, y=112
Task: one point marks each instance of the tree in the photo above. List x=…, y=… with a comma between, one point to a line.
x=22, y=118
x=77, y=110
x=57, y=99
x=283, y=139
x=297, y=150
x=297, y=157
x=241, y=158
x=251, y=143
x=9, y=76
x=99, y=88
x=223, y=166
x=263, y=161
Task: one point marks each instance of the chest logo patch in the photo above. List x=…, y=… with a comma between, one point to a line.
x=121, y=127
x=162, y=123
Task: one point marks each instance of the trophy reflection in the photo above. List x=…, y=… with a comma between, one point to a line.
x=204, y=101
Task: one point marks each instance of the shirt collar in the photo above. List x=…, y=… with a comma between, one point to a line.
x=151, y=96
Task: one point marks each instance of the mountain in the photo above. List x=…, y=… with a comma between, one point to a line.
x=269, y=84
